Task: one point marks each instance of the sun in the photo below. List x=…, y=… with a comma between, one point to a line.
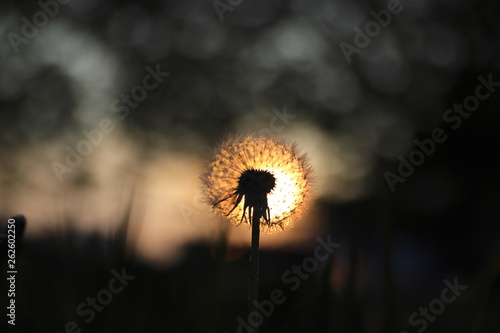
x=258, y=175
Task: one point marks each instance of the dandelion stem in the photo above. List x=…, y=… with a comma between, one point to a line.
x=254, y=265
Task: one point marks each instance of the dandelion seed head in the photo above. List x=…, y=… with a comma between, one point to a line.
x=258, y=174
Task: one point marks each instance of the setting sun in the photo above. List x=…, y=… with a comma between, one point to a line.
x=286, y=196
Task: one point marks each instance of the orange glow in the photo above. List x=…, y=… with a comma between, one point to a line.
x=290, y=169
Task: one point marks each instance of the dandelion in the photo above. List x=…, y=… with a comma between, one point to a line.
x=258, y=176
x=260, y=181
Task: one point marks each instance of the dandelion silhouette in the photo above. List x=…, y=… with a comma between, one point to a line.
x=261, y=181
x=258, y=176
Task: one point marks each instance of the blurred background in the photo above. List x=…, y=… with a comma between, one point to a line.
x=110, y=108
